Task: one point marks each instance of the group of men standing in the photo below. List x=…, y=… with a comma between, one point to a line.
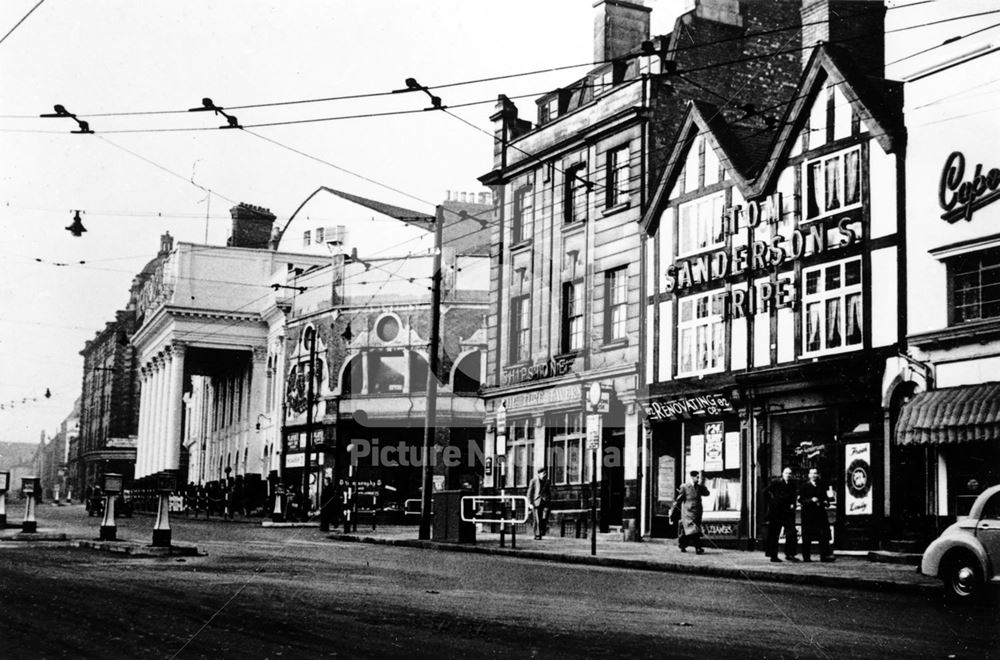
x=784, y=496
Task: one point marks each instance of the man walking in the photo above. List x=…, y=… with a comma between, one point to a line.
x=689, y=500
x=781, y=515
x=815, y=526
x=538, y=498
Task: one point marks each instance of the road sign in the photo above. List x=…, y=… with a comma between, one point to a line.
x=594, y=427
x=495, y=508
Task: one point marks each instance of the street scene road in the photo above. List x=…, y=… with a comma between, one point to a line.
x=291, y=592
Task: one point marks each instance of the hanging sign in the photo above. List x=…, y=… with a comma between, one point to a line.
x=858, y=480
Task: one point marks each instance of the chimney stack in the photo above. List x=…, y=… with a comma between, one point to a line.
x=855, y=26
x=252, y=226
x=619, y=27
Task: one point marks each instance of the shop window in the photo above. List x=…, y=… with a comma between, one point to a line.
x=832, y=307
x=523, y=220
x=617, y=174
x=713, y=448
x=832, y=183
x=521, y=453
x=615, y=303
x=387, y=372
x=575, y=194
x=566, y=455
x=807, y=440
x=701, y=225
x=701, y=334
x=974, y=286
x=572, y=316
x=520, y=328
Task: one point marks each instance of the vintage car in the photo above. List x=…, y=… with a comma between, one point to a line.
x=967, y=554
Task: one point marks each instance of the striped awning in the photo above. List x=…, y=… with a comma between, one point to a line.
x=970, y=413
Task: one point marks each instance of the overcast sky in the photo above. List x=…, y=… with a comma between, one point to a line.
x=121, y=56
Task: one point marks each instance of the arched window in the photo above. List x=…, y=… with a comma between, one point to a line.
x=467, y=371
x=351, y=381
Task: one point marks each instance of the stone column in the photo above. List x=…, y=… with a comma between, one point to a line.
x=157, y=418
x=258, y=405
x=141, y=433
x=174, y=400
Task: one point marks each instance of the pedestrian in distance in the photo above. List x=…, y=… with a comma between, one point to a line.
x=689, y=501
x=815, y=526
x=782, y=495
x=539, y=495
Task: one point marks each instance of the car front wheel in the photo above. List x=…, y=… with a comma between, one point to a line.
x=963, y=578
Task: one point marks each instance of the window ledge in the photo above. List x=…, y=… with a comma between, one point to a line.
x=613, y=344
x=520, y=245
x=573, y=227
x=618, y=208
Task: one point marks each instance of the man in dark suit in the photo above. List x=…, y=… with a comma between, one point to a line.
x=781, y=515
x=539, y=494
x=815, y=526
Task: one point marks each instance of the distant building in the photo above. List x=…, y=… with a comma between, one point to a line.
x=361, y=325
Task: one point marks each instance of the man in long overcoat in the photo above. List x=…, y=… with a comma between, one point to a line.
x=782, y=496
x=689, y=500
x=815, y=526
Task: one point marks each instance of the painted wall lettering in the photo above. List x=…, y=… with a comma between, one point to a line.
x=960, y=199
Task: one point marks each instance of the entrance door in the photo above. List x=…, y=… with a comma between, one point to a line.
x=613, y=482
x=665, y=477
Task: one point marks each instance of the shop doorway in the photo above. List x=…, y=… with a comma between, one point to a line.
x=613, y=481
x=665, y=477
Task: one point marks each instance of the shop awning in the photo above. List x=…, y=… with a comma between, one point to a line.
x=970, y=413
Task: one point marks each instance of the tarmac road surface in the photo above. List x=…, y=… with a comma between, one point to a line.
x=269, y=593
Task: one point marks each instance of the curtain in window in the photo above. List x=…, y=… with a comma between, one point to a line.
x=832, y=183
x=833, y=336
x=852, y=177
x=813, y=322
x=701, y=342
x=686, y=351
x=718, y=343
x=853, y=330
x=573, y=459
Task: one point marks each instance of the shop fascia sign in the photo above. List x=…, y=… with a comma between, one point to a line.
x=761, y=256
x=550, y=368
x=687, y=407
x=960, y=199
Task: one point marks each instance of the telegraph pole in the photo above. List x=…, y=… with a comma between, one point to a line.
x=430, y=420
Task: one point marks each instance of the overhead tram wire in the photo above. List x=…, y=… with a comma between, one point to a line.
x=468, y=104
x=475, y=81
x=23, y=19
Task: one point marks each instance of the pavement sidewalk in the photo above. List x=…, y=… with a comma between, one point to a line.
x=848, y=571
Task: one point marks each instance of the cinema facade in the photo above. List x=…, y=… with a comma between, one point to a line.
x=772, y=305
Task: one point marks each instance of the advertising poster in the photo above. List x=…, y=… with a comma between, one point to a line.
x=713, y=446
x=858, y=479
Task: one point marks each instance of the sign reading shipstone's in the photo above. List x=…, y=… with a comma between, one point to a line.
x=687, y=407
x=556, y=366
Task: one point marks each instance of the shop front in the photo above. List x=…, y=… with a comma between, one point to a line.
x=697, y=432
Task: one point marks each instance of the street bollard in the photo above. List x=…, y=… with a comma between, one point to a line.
x=278, y=514
x=112, y=486
x=165, y=483
x=4, y=485
x=28, y=486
